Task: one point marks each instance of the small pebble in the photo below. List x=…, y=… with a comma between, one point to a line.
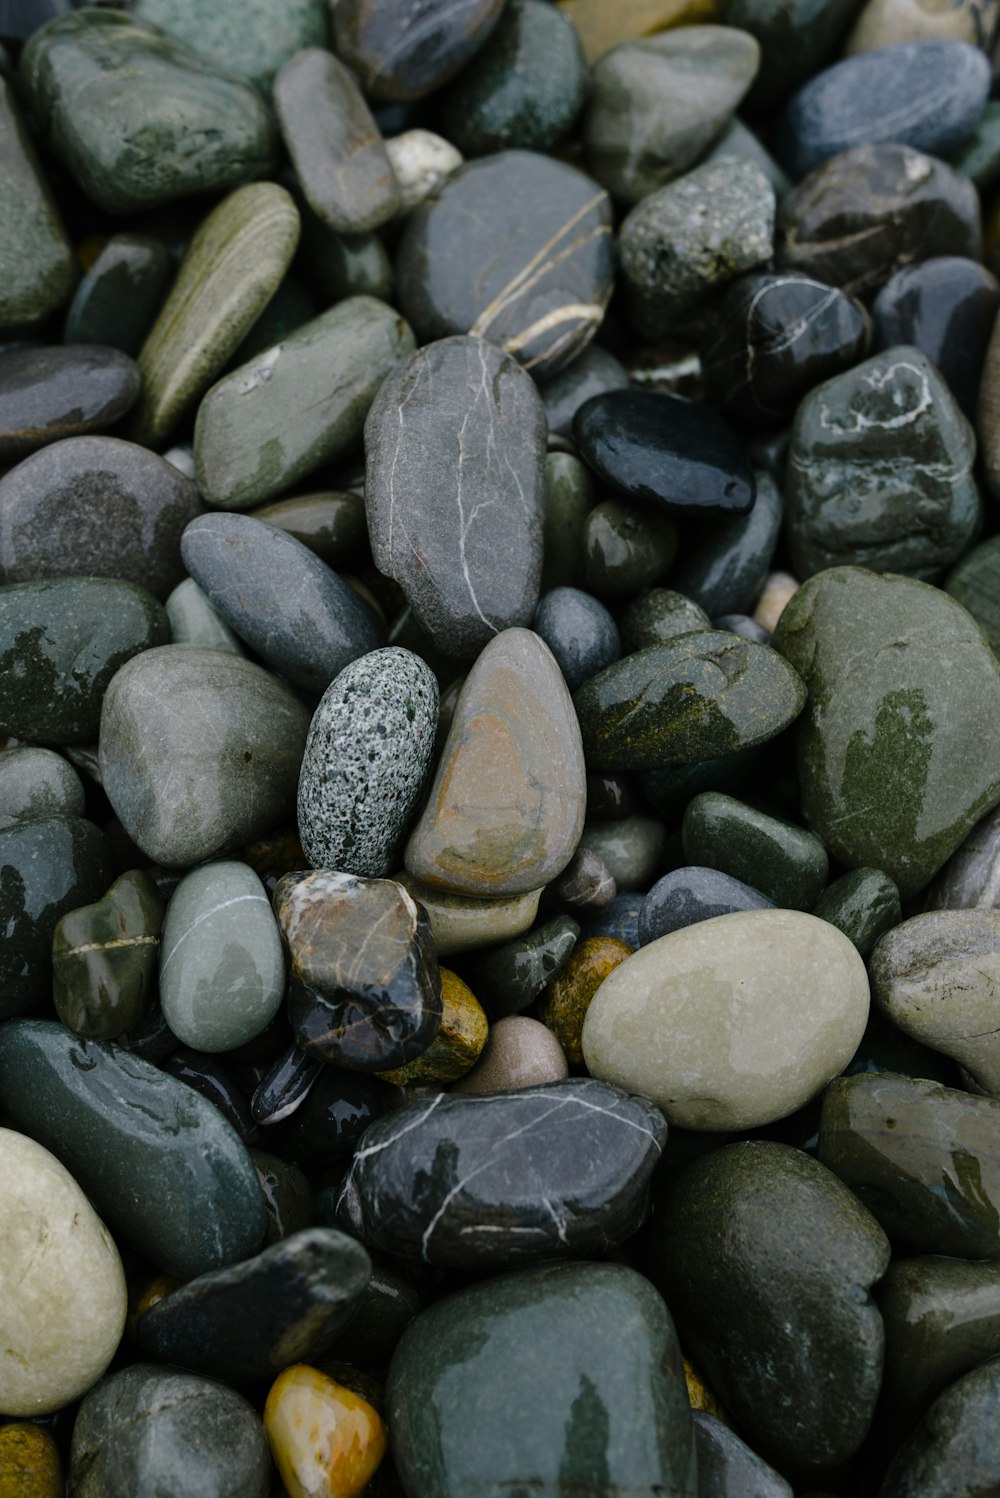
x=519, y=1052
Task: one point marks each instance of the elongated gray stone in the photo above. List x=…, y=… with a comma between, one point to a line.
x=39, y=266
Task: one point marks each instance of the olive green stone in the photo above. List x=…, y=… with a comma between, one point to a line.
x=899, y=748
x=256, y=434
x=569, y=498
x=786, y=863
x=697, y=697
x=568, y=1374
x=658, y=616
x=924, y=1159
x=180, y=126
x=38, y=268
x=331, y=523
x=955, y=1451
x=61, y=642
x=336, y=266
x=864, y=904
x=942, y=1317
x=119, y=296
x=193, y=621
x=975, y=582
x=36, y=783
x=625, y=548
x=232, y=268
x=249, y=37
x=631, y=848
x=104, y=959
x=387, y=1306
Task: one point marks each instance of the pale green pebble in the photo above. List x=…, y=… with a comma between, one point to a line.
x=193, y=621
x=37, y=783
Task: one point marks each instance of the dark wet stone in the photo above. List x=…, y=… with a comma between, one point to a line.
x=614, y=1417
x=120, y=295
x=741, y=624
x=160, y=1164
x=385, y=1309
x=796, y=37
x=864, y=214
x=279, y=597
x=586, y=883
x=104, y=959
x=511, y=977
x=864, y=904
x=516, y=249
x=335, y=266
x=656, y=617
x=365, y=992
x=47, y=868
x=631, y=848
x=942, y=1318
x=772, y=338
x=686, y=896
x=619, y=920
x=625, y=548
x=283, y=1086
x=593, y=372
x=323, y=1130
x=95, y=507
x=39, y=267
x=924, y=1159
x=786, y=863
x=779, y=1316
x=728, y=1468
x=971, y=877
x=669, y=790
x=49, y=393
x=287, y=1196
x=467, y=427
x=610, y=796
x=209, y=1075
x=975, y=583
x=579, y=631
x=252, y=1319
x=955, y=1450
x=330, y=522
x=724, y=563
x=570, y=495
x=488, y=1180
x=404, y=49
x=36, y=783
x=61, y=642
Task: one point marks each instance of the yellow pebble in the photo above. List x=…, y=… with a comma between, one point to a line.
x=327, y=1442
x=29, y=1463
x=700, y=1396
x=567, y=996
x=458, y=1043
x=778, y=589
x=602, y=24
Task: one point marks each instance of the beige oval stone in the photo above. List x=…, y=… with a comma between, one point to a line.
x=460, y=923
x=62, y=1287
x=506, y=809
x=733, y=1022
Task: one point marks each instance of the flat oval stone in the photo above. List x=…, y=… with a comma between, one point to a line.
x=700, y=696
x=279, y=597
x=120, y=294
x=954, y=1452
x=104, y=959
x=50, y=393
x=512, y=976
x=689, y=895
x=61, y=643
x=927, y=94
x=615, y=1413
x=895, y=749
x=81, y=70
x=467, y=428
x=942, y=1318
x=254, y=435
x=56, y=1343
x=482, y=1182
x=710, y=1021
x=39, y=264
x=788, y=863
x=95, y=507
x=725, y=561
x=158, y=1161
x=864, y=904
x=678, y=455
x=505, y=811
x=402, y=49
x=37, y=783
x=323, y=1435
x=252, y=39
x=462, y=923
x=233, y=735
x=515, y=248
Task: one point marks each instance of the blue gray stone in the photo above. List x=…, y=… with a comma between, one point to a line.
x=579, y=631
x=723, y=565
x=686, y=896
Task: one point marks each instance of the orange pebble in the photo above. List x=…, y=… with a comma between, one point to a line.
x=567, y=996
x=327, y=1442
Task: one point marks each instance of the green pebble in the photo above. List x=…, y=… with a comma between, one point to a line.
x=249, y=37
x=118, y=298
x=625, y=549
x=331, y=523
x=193, y=621
x=864, y=904
x=104, y=959
x=38, y=268
x=508, y=979
x=631, y=849
x=385, y=1310
x=36, y=783
x=335, y=266
x=942, y=1318
x=658, y=616
x=569, y=498
x=975, y=583
x=979, y=156
x=786, y=863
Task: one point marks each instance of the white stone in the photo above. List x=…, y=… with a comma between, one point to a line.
x=62, y=1287
x=733, y=1022
x=421, y=161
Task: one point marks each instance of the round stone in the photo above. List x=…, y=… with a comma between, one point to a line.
x=579, y=631
x=520, y=1052
x=625, y=547
x=36, y=783
x=658, y=616
x=326, y=1440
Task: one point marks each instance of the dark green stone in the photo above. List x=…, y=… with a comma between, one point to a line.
x=955, y=1451
x=335, y=266
x=625, y=548
x=38, y=268
x=331, y=524
x=159, y=1162
x=287, y=1195
x=386, y=1306
x=658, y=616
x=47, y=868
x=669, y=791
x=511, y=977
x=569, y=498
x=942, y=1317
x=975, y=582
x=786, y=863
x=569, y=1376
x=696, y=698
x=120, y=295
x=104, y=959
x=36, y=783
x=292, y=305
x=50, y=393
x=864, y=904
x=61, y=642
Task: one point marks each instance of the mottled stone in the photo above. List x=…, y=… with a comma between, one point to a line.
x=568, y=995
x=625, y=547
x=520, y=1052
x=252, y=39
x=954, y=1451
x=36, y=783
x=942, y=1318
x=104, y=959
x=458, y=1044
x=659, y=616
x=326, y=1440
x=787, y=864
x=193, y=621
x=689, y=895
x=402, y=50
x=30, y=1461
x=50, y=393
x=864, y=904
x=724, y=562
x=461, y=923
x=36, y=256
x=120, y=293
x=511, y=977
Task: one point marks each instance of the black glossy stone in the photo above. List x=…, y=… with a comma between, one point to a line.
x=49, y=393
x=723, y=563
x=120, y=295
x=404, y=49
x=942, y=1318
x=323, y=1130
x=688, y=895
x=210, y=1076
x=592, y=373
x=483, y=1181
x=955, y=1450
x=284, y=1085
x=796, y=37
x=511, y=977
x=385, y=1309
x=586, y=883
x=579, y=631
x=287, y=1196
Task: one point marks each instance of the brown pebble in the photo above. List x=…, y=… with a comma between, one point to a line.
x=567, y=996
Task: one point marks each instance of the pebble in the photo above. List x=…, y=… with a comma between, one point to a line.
x=50, y=393
x=778, y=590
x=330, y=522
x=953, y=1453
x=625, y=547
x=568, y=995
x=864, y=904
x=580, y=632
x=658, y=616
x=40, y=269
x=723, y=567
x=520, y=1052
x=972, y=582
x=789, y=864
x=942, y=1318
x=326, y=1441
x=593, y=372
x=29, y=1461
x=56, y=1343
x=250, y=39
x=403, y=51
x=120, y=295
x=509, y=978
x=37, y=783
x=421, y=160
x=458, y=1044
x=971, y=877
x=686, y=896
x=569, y=497
x=463, y=923
x=104, y=959
x=795, y=39
x=881, y=23
x=631, y=848
x=728, y=1467
x=988, y=414
x=586, y=883
x=193, y=621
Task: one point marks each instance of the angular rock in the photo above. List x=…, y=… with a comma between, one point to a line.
x=104, y=959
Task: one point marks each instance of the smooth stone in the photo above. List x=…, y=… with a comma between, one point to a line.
x=684, y=242
x=569, y=497
x=335, y=266
x=942, y=1318
x=689, y=895
x=971, y=877
x=779, y=1316
x=387, y=1306
x=291, y=306
x=326, y=1440
x=657, y=105
x=193, y=621
x=277, y=596
x=880, y=471
x=61, y=643
x=82, y=70
x=894, y=749
x=723, y=564
x=421, y=160
x=923, y=1158
x=668, y=791
x=467, y=427
x=773, y=338
x=250, y=39
x=462, y=923
x=510, y=978
x=779, y=588
x=936, y=977
x=882, y=23
x=95, y=507
x=39, y=264
x=586, y=883
x=796, y=38
x=619, y=920
x=330, y=522
x=29, y=1461
x=954, y=1452
x=211, y=1078
x=738, y=140
x=104, y=959
x=50, y=866
x=524, y=88
x=658, y=616
x=679, y=456
x=864, y=904
x=568, y=995
x=742, y=624
x=255, y=436
x=287, y=1196
x=710, y=1023
x=50, y=393
x=252, y=1319
x=631, y=848
x=860, y=217
x=149, y=1429
x=602, y=27
x=975, y=583
x=233, y=735
x=56, y=1342
x=579, y=631
x=594, y=372
x=487, y=1181
x=458, y=1044
x=787, y=864
x=728, y=1467
x=515, y=248
x=988, y=414
x=158, y=1161
x=322, y=1131
x=364, y=990
x=520, y=1052
x=37, y=783
x=403, y=51
x=600, y=1342
x=222, y=971
x=366, y=760
x=696, y=698
x=505, y=810
x=120, y=294
x=625, y=548
x=927, y=94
